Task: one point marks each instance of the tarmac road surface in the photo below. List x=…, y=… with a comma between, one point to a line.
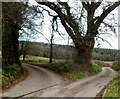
x=38, y=78
x=44, y=83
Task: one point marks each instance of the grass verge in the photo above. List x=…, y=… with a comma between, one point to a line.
x=113, y=88
x=12, y=75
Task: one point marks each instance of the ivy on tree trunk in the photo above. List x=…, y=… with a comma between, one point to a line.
x=10, y=55
x=12, y=18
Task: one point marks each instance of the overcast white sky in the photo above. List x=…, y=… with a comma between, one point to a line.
x=58, y=40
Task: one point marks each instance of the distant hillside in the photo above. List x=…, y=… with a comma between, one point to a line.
x=66, y=52
x=105, y=54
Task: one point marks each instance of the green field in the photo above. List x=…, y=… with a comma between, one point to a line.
x=34, y=58
x=109, y=62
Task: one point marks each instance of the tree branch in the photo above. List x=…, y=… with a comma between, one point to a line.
x=104, y=40
x=73, y=24
x=97, y=4
x=105, y=13
x=85, y=4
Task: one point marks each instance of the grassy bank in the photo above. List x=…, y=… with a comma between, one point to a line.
x=11, y=75
x=113, y=88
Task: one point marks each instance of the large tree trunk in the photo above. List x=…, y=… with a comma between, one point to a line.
x=82, y=59
x=10, y=55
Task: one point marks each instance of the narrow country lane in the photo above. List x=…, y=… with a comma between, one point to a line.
x=87, y=87
x=55, y=86
x=38, y=78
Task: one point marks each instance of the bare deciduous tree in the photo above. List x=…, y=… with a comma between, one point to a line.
x=71, y=20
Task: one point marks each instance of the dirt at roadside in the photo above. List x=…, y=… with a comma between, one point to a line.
x=16, y=81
